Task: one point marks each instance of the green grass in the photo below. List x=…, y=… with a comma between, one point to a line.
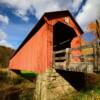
x=28, y=74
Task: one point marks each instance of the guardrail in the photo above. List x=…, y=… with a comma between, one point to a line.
x=88, y=58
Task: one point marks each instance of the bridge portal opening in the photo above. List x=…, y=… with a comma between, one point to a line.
x=62, y=36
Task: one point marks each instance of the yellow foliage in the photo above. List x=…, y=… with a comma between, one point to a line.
x=87, y=51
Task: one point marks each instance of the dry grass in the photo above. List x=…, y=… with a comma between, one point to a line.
x=15, y=87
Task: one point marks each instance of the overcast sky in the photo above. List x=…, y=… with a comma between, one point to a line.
x=18, y=17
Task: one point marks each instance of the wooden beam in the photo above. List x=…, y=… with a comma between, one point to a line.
x=60, y=51
x=76, y=67
x=60, y=58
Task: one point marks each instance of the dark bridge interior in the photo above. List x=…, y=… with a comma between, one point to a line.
x=62, y=36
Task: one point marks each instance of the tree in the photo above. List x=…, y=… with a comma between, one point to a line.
x=5, y=55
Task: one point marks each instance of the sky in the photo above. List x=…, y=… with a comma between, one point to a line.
x=18, y=17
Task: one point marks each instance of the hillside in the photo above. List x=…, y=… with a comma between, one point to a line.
x=5, y=54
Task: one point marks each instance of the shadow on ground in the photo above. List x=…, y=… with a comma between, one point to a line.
x=76, y=79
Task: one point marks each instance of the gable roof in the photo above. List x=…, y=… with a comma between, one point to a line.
x=49, y=16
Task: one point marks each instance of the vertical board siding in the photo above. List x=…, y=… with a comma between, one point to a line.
x=33, y=55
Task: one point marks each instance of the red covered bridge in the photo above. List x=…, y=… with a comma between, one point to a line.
x=55, y=31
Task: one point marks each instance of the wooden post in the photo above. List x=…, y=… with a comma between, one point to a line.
x=67, y=56
x=96, y=57
x=53, y=55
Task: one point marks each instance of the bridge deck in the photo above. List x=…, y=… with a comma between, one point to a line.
x=76, y=67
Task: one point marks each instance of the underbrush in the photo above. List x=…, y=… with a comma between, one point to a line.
x=15, y=87
x=92, y=90
x=91, y=94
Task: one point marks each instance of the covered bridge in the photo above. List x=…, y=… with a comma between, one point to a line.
x=54, y=32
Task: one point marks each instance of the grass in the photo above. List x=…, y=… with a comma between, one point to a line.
x=15, y=87
x=92, y=94
x=28, y=74
x=92, y=91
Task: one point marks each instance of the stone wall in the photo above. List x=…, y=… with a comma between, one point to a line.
x=51, y=86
